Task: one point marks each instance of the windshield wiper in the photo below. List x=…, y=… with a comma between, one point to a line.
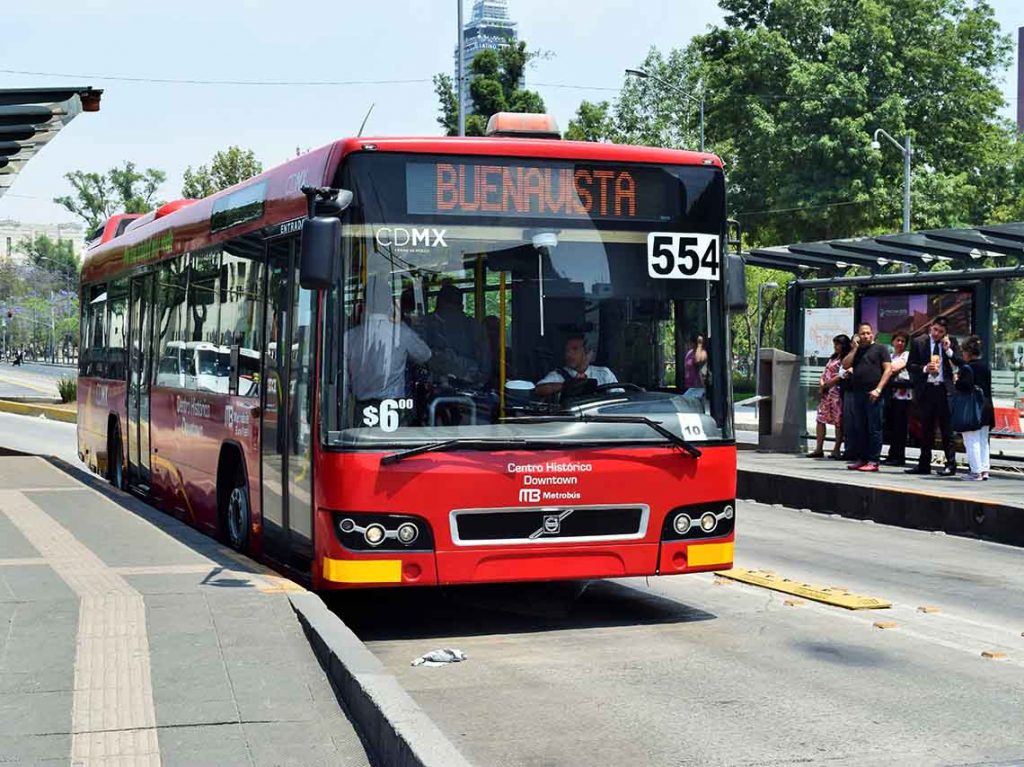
x=447, y=444
x=675, y=439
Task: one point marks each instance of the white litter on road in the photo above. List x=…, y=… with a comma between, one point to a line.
x=440, y=657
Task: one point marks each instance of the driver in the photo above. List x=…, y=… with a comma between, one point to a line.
x=577, y=367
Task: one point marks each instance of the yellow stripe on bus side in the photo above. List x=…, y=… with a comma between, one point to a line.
x=701, y=554
x=366, y=571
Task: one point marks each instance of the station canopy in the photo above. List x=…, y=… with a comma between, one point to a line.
x=999, y=245
x=29, y=120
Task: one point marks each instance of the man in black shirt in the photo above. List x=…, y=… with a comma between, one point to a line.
x=931, y=367
x=871, y=368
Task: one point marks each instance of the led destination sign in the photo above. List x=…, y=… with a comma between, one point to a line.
x=559, y=190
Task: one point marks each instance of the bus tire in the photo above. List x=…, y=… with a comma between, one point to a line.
x=236, y=512
x=115, y=455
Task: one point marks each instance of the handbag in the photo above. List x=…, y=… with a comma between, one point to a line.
x=965, y=409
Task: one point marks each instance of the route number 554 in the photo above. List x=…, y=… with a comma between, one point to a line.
x=677, y=256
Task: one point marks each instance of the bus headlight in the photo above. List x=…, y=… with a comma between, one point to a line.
x=682, y=524
x=374, y=534
x=408, y=532
x=347, y=525
x=715, y=519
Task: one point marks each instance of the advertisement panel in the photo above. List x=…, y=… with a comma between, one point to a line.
x=913, y=312
x=821, y=326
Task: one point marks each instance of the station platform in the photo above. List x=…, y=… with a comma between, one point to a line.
x=126, y=637
x=993, y=510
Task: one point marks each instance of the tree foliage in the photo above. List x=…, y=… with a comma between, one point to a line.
x=494, y=78
x=794, y=90
x=227, y=168
x=55, y=259
x=96, y=197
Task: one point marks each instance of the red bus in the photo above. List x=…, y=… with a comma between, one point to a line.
x=429, y=361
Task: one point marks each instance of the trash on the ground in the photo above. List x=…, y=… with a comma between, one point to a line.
x=440, y=657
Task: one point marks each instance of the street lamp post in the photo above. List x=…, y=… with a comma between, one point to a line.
x=643, y=74
x=907, y=152
x=757, y=353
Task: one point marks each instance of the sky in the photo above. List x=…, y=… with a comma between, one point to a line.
x=171, y=126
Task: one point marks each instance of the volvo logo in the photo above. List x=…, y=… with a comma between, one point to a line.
x=552, y=524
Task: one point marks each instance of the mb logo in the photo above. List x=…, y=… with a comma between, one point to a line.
x=529, y=495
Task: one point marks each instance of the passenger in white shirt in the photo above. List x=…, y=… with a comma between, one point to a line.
x=378, y=349
x=577, y=366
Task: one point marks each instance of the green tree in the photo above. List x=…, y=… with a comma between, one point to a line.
x=797, y=87
x=96, y=197
x=493, y=87
x=227, y=168
x=53, y=257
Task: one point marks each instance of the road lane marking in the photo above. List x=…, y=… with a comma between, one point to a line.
x=827, y=595
x=885, y=624
x=113, y=719
x=22, y=562
x=24, y=384
x=994, y=655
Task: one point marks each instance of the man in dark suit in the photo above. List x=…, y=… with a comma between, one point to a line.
x=931, y=367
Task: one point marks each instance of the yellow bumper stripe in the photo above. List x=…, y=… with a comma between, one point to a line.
x=702, y=554
x=830, y=595
x=365, y=571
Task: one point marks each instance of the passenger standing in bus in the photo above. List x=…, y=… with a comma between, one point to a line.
x=378, y=349
x=458, y=343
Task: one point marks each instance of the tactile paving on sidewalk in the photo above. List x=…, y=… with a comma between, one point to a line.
x=128, y=637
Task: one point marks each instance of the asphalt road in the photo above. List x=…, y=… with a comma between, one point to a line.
x=31, y=380
x=693, y=670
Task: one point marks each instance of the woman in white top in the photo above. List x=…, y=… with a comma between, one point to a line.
x=902, y=392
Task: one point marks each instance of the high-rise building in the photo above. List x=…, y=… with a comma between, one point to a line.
x=489, y=26
x=1020, y=80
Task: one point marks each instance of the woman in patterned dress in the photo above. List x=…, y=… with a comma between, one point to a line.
x=830, y=408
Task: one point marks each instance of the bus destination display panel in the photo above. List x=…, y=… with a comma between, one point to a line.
x=541, y=189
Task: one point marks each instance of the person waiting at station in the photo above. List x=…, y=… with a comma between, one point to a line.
x=931, y=366
x=379, y=348
x=871, y=368
x=458, y=343
x=901, y=394
x=974, y=371
x=830, y=407
x=577, y=369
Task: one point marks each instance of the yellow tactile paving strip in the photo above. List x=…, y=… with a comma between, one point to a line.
x=830, y=595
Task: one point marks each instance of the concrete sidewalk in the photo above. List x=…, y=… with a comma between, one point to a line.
x=993, y=510
x=126, y=637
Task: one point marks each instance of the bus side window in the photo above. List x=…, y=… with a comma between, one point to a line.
x=241, y=293
x=93, y=345
x=170, y=319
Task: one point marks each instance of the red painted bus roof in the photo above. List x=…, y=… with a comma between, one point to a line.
x=188, y=228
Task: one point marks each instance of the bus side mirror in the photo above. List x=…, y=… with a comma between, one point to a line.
x=321, y=243
x=735, y=284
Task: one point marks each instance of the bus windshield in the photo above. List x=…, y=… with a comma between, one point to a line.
x=487, y=299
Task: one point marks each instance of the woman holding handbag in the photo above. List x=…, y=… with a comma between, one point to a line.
x=974, y=387
x=830, y=408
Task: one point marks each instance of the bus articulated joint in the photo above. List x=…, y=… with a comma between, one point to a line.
x=375, y=532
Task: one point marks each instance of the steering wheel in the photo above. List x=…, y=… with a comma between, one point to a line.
x=619, y=385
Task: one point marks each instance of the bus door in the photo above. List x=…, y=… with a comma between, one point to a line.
x=140, y=352
x=287, y=411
